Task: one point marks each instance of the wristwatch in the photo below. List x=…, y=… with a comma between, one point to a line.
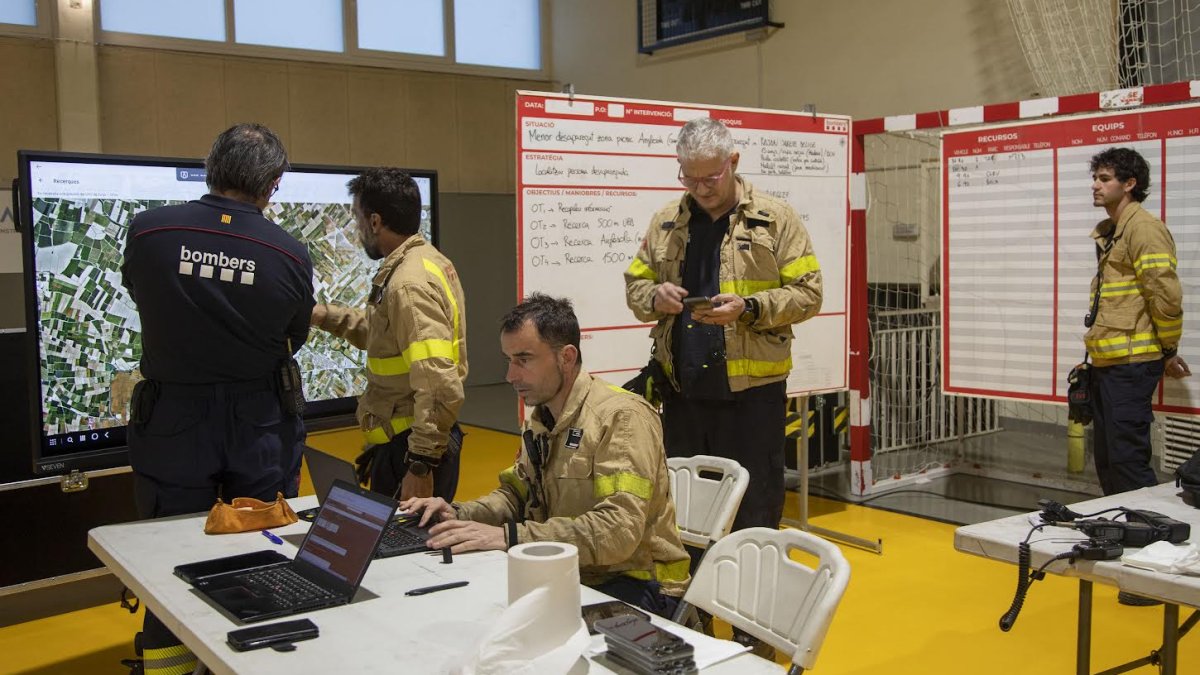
x=750, y=311
x=418, y=468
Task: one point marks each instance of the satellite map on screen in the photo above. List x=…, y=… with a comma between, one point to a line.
x=89, y=328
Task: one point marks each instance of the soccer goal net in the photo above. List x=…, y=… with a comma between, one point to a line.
x=1072, y=47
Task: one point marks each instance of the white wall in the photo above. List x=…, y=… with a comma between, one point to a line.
x=864, y=58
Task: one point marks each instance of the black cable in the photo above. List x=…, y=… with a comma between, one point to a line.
x=1093, y=515
x=1026, y=578
x=1041, y=571
x=1023, y=560
x=1035, y=528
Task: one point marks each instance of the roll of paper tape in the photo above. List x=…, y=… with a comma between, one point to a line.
x=555, y=567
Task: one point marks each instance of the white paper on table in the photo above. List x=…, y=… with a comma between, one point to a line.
x=1165, y=557
x=513, y=646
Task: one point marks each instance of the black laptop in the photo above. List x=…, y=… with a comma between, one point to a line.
x=402, y=536
x=327, y=569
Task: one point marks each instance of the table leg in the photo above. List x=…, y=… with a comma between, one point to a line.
x=1170, y=645
x=1083, y=648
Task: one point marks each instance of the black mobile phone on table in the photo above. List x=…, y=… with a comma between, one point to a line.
x=284, y=632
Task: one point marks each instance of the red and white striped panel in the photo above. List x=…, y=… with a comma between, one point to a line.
x=1116, y=99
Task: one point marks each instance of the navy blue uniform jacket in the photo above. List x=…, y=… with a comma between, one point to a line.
x=220, y=289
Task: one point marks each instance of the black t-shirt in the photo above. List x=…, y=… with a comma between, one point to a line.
x=219, y=289
x=700, y=348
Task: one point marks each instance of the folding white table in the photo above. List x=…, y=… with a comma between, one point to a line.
x=382, y=630
x=998, y=540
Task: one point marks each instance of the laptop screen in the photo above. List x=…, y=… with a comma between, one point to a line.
x=343, y=536
x=325, y=468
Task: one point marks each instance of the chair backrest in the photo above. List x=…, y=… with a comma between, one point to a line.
x=705, y=505
x=748, y=580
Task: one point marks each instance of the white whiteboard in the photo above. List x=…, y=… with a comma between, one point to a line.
x=591, y=171
x=1017, y=212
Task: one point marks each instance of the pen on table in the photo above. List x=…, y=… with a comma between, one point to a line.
x=270, y=535
x=435, y=589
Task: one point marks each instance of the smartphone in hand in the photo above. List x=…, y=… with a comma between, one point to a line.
x=697, y=302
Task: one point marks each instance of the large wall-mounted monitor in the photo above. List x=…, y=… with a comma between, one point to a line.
x=84, y=331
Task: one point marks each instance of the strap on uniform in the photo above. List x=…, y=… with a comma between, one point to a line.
x=1101, y=256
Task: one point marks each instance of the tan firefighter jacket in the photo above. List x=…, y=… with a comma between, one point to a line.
x=766, y=254
x=414, y=330
x=1140, y=310
x=603, y=487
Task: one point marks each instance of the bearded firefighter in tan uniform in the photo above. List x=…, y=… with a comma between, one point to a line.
x=591, y=471
x=414, y=330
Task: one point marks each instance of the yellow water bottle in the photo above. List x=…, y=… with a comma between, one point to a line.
x=1075, y=445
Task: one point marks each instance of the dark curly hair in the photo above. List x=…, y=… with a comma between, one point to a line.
x=391, y=193
x=1126, y=163
x=554, y=319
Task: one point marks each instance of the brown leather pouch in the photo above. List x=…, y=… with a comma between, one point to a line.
x=245, y=514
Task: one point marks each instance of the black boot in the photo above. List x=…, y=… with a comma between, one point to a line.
x=1134, y=600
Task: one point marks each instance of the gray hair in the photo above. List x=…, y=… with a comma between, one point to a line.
x=704, y=138
x=246, y=158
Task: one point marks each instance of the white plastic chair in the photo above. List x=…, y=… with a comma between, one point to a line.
x=748, y=580
x=705, y=506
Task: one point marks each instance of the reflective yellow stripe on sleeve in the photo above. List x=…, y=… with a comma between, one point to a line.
x=752, y=368
x=437, y=272
x=745, y=287
x=378, y=435
x=417, y=351
x=1167, y=329
x=623, y=481
x=1152, y=260
x=641, y=270
x=509, y=477
x=798, y=268
x=672, y=571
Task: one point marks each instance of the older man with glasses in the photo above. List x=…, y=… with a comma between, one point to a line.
x=725, y=270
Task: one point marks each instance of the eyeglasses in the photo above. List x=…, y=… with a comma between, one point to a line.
x=274, y=189
x=709, y=181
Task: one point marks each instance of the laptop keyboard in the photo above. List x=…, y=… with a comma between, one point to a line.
x=287, y=588
x=396, y=536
